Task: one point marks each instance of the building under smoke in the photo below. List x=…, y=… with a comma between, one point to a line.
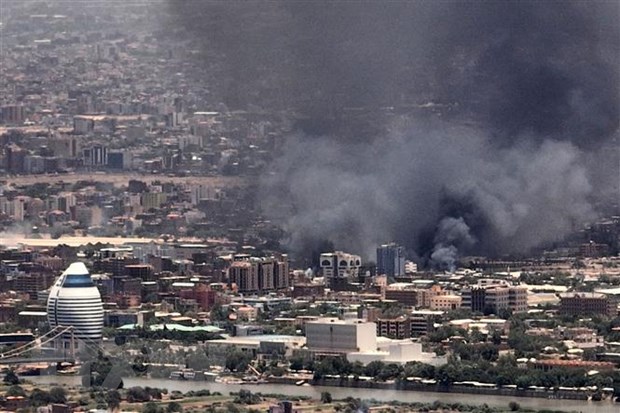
x=340, y=268
x=482, y=128
x=391, y=260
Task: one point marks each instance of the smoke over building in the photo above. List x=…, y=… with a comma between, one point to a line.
x=479, y=127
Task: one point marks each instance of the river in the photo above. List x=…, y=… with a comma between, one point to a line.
x=342, y=392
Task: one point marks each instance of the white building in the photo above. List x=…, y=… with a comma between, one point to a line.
x=331, y=335
x=339, y=267
x=397, y=351
x=74, y=301
x=358, y=341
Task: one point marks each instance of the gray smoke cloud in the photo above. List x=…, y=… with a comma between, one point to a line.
x=451, y=232
x=430, y=177
x=503, y=117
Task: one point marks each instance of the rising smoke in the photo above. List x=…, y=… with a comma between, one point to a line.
x=512, y=108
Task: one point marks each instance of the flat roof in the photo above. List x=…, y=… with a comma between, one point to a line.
x=175, y=327
x=33, y=313
x=72, y=241
x=256, y=340
x=609, y=291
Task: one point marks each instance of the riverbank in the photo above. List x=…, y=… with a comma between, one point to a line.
x=561, y=394
x=384, y=395
x=417, y=385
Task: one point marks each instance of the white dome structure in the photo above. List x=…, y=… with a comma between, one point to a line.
x=75, y=301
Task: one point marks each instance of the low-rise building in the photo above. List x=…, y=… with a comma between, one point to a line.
x=397, y=328
x=423, y=322
x=446, y=302
x=581, y=304
x=493, y=298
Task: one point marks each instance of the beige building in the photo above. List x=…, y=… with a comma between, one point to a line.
x=495, y=297
x=243, y=275
x=445, y=302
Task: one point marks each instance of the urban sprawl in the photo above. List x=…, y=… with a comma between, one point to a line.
x=132, y=238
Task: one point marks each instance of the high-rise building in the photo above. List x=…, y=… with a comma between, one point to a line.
x=244, y=275
x=252, y=274
x=13, y=114
x=391, y=260
x=266, y=274
x=339, y=268
x=15, y=159
x=74, y=301
x=281, y=273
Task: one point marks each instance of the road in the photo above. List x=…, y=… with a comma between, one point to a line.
x=119, y=179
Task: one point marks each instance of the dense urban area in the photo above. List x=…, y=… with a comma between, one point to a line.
x=135, y=255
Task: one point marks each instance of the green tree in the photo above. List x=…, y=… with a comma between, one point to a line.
x=237, y=360
x=151, y=407
x=247, y=397
x=523, y=381
x=218, y=313
x=137, y=394
x=39, y=397
x=496, y=338
x=296, y=363
x=15, y=391
x=388, y=371
x=11, y=378
x=373, y=368
x=58, y=395
x=326, y=397
x=174, y=407
x=113, y=399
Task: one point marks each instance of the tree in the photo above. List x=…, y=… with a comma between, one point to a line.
x=39, y=397
x=151, y=407
x=489, y=352
x=476, y=336
x=514, y=406
x=11, y=378
x=218, y=313
x=154, y=392
x=247, y=397
x=58, y=395
x=297, y=363
x=174, y=407
x=523, y=382
x=326, y=397
x=373, y=368
x=113, y=399
x=356, y=405
x=15, y=391
x=496, y=338
x=137, y=394
x=237, y=360
x=388, y=371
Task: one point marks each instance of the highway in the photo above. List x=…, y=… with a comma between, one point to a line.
x=119, y=179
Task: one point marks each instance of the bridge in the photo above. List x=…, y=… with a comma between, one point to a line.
x=36, y=352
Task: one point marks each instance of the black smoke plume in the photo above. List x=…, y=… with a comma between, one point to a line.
x=450, y=127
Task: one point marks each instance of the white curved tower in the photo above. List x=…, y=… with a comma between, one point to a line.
x=75, y=301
